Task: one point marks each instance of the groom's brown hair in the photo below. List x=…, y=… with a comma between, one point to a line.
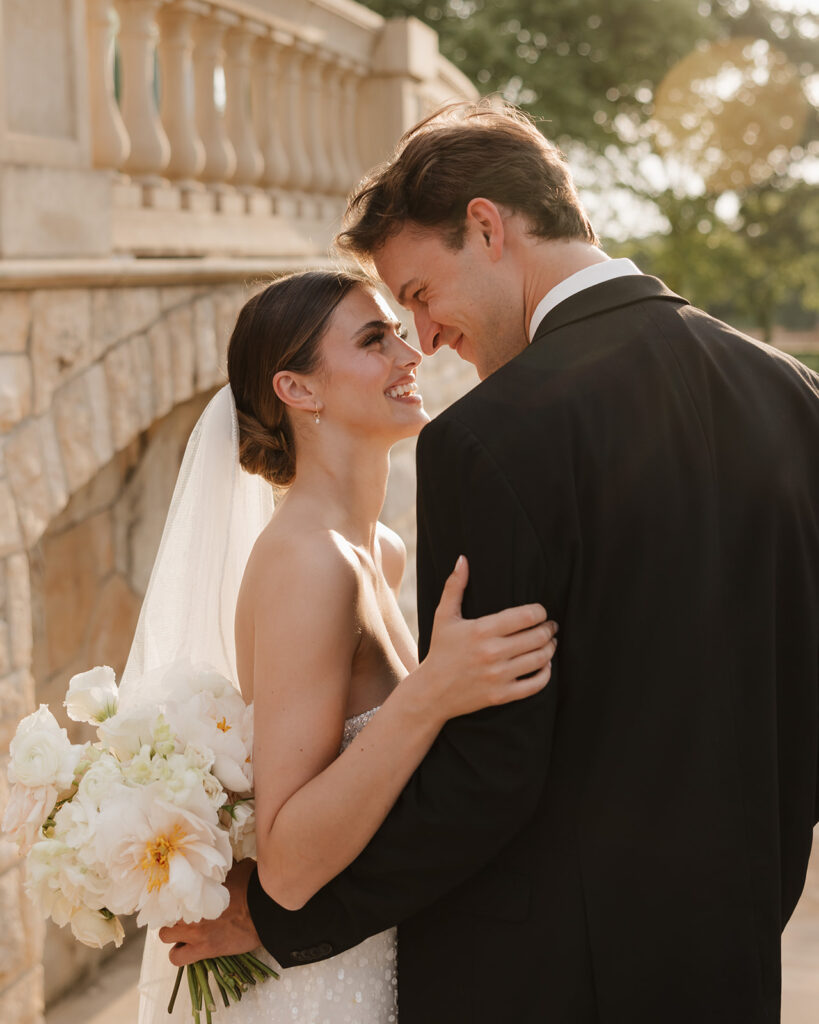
x=461, y=152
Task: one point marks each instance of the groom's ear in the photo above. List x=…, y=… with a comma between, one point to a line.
x=294, y=390
x=486, y=220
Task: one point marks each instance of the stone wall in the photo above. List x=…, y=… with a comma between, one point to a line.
x=99, y=388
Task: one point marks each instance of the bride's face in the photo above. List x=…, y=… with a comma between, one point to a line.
x=367, y=380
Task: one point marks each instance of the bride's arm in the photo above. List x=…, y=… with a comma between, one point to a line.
x=317, y=810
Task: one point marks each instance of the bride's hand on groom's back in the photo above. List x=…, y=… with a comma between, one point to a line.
x=479, y=663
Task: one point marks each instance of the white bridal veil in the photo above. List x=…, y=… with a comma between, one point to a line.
x=216, y=514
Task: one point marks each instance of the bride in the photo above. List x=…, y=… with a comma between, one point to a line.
x=323, y=382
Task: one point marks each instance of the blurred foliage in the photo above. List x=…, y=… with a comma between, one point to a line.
x=663, y=107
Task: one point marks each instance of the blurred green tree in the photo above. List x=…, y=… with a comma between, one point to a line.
x=689, y=124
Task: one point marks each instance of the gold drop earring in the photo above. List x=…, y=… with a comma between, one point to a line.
x=317, y=417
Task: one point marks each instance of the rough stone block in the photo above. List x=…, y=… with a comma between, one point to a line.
x=100, y=408
x=10, y=537
x=208, y=371
x=183, y=352
x=60, y=340
x=226, y=303
x=24, y=460
x=9, y=856
x=175, y=295
x=112, y=626
x=75, y=430
x=143, y=382
x=18, y=609
x=15, y=321
x=16, y=701
x=119, y=372
x=117, y=313
x=22, y=1001
x=5, y=648
x=13, y=939
x=159, y=340
x=15, y=390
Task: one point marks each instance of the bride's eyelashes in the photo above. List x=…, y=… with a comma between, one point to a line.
x=378, y=336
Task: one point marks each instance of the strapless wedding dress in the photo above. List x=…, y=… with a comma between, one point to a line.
x=358, y=986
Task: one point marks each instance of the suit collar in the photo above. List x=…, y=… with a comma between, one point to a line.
x=602, y=298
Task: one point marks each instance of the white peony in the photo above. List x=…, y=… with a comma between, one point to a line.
x=185, y=680
x=222, y=725
x=42, y=754
x=92, y=696
x=94, y=928
x=163, y=860
x=27, y=809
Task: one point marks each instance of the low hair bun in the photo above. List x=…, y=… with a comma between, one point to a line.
x=266, y=452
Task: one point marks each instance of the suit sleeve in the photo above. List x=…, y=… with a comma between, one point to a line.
x=480, y=782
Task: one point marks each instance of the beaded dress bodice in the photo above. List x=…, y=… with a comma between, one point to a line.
x=358, y=986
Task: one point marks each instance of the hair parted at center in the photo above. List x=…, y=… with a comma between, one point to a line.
x=461, y=152
x=279, y=328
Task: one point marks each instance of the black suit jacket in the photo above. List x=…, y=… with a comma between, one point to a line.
x=626, y=846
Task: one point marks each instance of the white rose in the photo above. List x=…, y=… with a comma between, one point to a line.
x=27, y=809
x=42, y=754
x=94, y=929
x=92, y=696
x=126, y=732
x=242, y=830
x=101, y=778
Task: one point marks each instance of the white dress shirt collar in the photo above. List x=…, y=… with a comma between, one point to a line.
x=585, y=278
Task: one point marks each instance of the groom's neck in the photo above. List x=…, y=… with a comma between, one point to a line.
x=547, y=262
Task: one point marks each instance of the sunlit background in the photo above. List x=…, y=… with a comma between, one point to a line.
x=691, y=127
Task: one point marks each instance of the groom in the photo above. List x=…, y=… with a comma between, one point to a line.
x=626, y=846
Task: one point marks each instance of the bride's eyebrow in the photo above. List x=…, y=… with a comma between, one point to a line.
x=372, y=324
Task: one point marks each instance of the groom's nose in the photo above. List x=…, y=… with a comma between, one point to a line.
x=429, y=334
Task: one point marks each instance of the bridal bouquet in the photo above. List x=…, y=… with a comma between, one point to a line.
x=146, y=820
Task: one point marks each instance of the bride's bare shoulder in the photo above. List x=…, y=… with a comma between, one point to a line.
x=289, y=558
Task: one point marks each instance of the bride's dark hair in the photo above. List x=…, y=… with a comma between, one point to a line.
x=280, y=328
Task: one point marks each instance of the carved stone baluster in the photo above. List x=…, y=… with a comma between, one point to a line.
x=322, y=178
x=110, y=141
x=267, y=96
x=176, y=78
x=335, y=127
x=150, y=149
x=300, y=176
x=208, y=55
x=238, y=118
x=350, y=84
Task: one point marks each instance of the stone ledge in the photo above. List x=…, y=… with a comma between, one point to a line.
x=24, y=275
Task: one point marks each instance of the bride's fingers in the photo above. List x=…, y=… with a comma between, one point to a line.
x=528, y=640
x=521, y=688
x=512, y=620
x=184, y=953
x=531, y=661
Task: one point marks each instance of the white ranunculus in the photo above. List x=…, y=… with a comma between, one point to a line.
x=61, y=878
x=42, y=754
x=92, y=696
x=93, y=928
x=27, y=809
x=126, y=732
x=163, y=860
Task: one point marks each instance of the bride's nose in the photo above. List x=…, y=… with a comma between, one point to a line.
x=410, y=356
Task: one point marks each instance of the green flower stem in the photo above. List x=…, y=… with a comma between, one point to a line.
x=175, y=992
x=204, y=987
x=196, y=996
x=265, y=968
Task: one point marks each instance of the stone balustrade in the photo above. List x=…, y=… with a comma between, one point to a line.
x=183, y=128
